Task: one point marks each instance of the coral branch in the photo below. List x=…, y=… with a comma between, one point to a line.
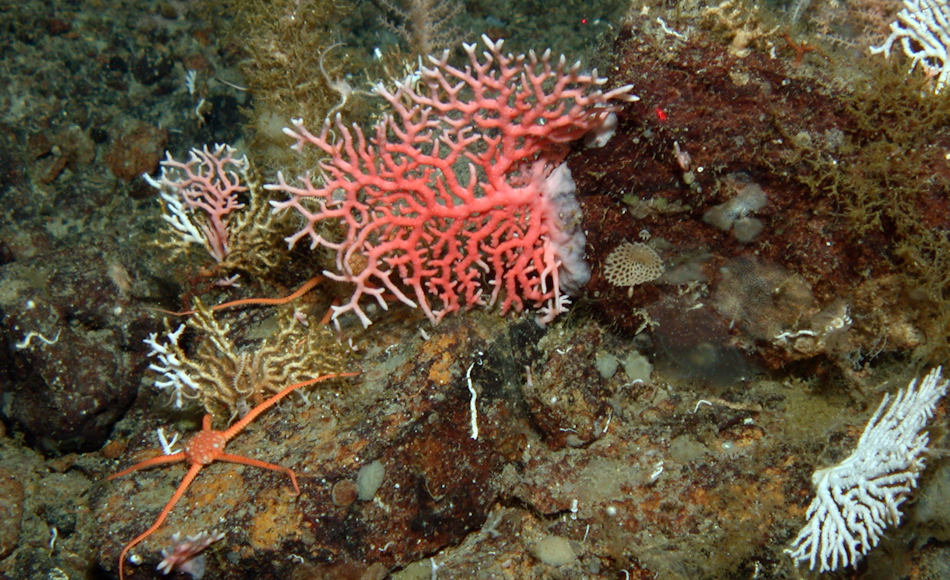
x=459, y=197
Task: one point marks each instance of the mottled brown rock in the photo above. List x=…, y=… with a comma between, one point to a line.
x=72, y=338
x=11, y=510
x=135, y=151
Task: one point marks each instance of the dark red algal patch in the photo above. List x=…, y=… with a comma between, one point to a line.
x=735, y=117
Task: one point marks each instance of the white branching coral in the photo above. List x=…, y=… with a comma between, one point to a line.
x=857, y=499
x=923, y=28
x=170, y=364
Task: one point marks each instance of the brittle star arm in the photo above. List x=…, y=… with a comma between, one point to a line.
x=233, y=430
x=246, y=420
x=185, y=482
x=262, y=464
x=160, y=460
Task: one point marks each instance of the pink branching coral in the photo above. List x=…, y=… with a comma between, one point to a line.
x=185, y=555
x=459, y=197
x=199, y=195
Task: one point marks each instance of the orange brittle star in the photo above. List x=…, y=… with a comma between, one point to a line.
x=207, y=446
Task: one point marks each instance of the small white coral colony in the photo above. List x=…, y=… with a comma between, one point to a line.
x=857, y=499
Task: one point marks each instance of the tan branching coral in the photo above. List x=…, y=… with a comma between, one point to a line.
x=425, y=25
x=227, y=380
x=257, y=242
